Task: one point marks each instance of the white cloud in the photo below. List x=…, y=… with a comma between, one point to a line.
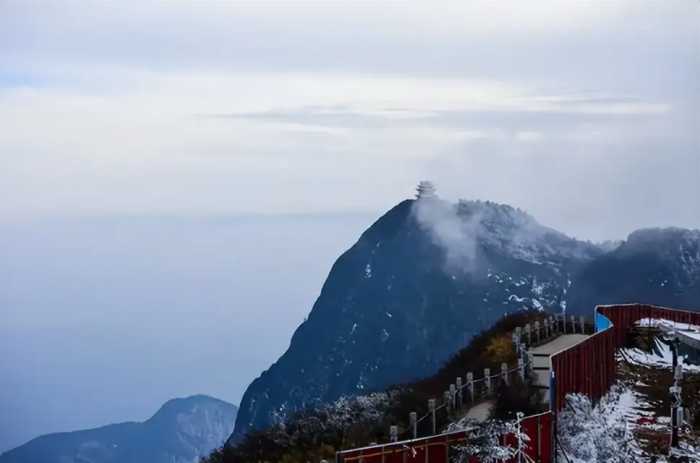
x=528, y=136
x=148, y=107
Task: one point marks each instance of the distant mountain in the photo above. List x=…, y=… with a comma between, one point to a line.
x=182, y=431
x=419, y=283
x=655, y=266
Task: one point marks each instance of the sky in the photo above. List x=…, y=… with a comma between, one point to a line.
x=151, y=151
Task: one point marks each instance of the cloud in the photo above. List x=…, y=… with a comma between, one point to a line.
x=457, y=236
x=141, y=107
x=503, y=109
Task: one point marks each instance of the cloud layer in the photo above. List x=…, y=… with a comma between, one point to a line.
x=144, y=107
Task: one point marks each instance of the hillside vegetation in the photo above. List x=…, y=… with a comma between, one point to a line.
x=318, y=432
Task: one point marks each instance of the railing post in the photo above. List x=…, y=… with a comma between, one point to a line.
x=583, y=325
x=413, y=422
x=537, y=332
x=431, y=409
x=460, y=395
x=573, y=324
x=453, y=397
x=529, y=336
x=470, y=385
x=504, y=374
x=487, y=380
x=516, y=343
x=393, y=433
x=521, y=369
x=519, y=417
x=446, y=400
x=545, y=322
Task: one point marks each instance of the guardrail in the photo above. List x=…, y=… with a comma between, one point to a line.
x=441, y=448
x=469, y=390
x=587, y=368
x=622, y=317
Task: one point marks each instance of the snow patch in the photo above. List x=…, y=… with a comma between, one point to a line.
x=661, y=357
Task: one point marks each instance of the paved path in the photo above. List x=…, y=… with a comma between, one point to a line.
x=560, y=343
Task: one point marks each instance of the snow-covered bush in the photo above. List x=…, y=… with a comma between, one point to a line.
x=598, y=434
x=349, y=410
x=486, y=440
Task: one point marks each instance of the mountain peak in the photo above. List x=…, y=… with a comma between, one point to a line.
x=430, y=274
x=419, y=282
x=181, y=431
x=190, y=403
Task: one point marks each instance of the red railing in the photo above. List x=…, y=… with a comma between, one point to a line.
x=587, y=368
x=442, y=447
x=623, y=317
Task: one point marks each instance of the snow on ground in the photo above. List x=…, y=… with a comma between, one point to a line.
x=480, y=412
x=668, y=325
x=660, y=357
x=624, y=425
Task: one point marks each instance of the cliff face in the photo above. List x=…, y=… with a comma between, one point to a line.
x=182, y=431
x=415, y=287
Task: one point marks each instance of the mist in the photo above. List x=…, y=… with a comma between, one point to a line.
x=105, y=319
x=177, y=178
x=457, y=236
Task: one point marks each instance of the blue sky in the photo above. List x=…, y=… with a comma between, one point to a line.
x=582, y=113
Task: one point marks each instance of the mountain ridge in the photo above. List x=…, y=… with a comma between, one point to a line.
x=392, y=307
x=181, y=431
x=428, y=275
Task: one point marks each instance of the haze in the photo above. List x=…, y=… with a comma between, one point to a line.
x=177, y=178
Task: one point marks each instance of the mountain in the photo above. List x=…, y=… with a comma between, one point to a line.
x=418, y=284
x=182, y=431
x=655, y=266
